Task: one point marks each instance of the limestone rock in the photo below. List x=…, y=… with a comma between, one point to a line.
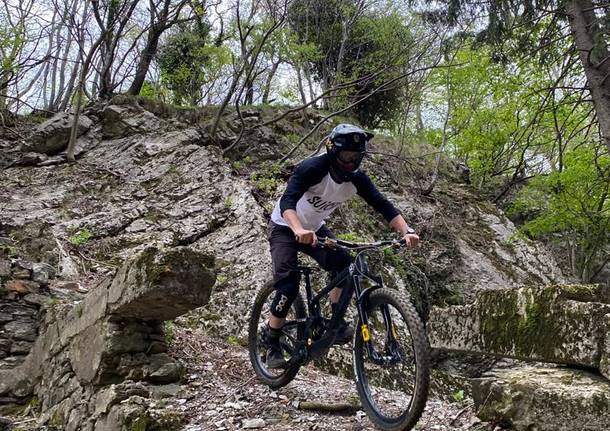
x=544, y=399
x=549, y=324
x=123, y=120
x=21, y=347
x=23, y=286
x=42, y=273
x=22, y=330
x=253, y=423
x=114, y=394
x=5, y=269
x=53, y=135
x=162, y=284
x=162, y=369
x=165, y=391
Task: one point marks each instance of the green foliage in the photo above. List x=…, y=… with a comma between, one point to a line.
x=293, y=137
x=267, y=179
x=573, y=203
x=33, y=406
x=371, y=42
x=519, y=119
x=12, y=41
x=221, y=280
x=153, y=91
x=482, y=104
x=80, y=236
x=287, y=45
x=378, y=41
x=8, y=250
x=169, y=329
x=459, y=395
x=57, y=419
x=188, y=61
x=351, y=236
x=168, y=420
x=236, y=341
x=392, y=256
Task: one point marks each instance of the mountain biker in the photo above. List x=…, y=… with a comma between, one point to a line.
x=318, y=186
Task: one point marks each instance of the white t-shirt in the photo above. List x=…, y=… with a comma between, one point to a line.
x=314, y=194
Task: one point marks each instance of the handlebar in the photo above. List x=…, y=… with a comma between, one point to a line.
x=333, y=243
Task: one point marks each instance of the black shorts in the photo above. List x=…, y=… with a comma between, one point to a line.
x=284, y=248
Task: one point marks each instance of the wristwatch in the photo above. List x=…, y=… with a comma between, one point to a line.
x=409, y=230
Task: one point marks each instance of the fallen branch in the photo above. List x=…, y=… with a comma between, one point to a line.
x=328, y=407
x=460, y=413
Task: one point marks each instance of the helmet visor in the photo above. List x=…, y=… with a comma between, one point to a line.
x=350, y=160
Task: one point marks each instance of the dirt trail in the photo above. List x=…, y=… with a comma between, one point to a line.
x=222, y=393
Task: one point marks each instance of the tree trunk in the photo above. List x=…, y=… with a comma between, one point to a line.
x=107, y=52
x=584, y=28
x=4, y=82
x=300, y=85
x=79, y=96
x=307, y=74
x=428, y=190
x=105, y=88
x=269, y=80
x=419, y=122
x=249, y=97
x=64, y=101
x=150, y=50
x=45, y=99
x=57, y=102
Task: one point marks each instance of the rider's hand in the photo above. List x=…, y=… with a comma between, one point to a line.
x=411, y=240
x=306, y=237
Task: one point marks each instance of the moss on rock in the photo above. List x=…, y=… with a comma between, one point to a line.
x=518, y=321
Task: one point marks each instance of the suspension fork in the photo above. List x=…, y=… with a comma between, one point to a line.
x=390, y=335
x=362, y=298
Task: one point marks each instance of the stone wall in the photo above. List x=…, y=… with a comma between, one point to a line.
x=97, y=359
x=23, y=289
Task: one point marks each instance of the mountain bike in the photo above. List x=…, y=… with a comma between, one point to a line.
x=390, y=347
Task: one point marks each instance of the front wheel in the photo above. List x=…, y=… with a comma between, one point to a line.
x=392, y=367
x=261, y=310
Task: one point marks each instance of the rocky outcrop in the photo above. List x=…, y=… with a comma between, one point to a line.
x=544, y=399
x=110, y=346
x=149, y=178
x=144, y=179
x=52, y=136
x=561, y=324
x=122, y=120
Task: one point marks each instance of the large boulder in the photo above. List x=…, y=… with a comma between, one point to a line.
x=53, y=135
x=559, y=324
x=544, y=399
x=162, y=285
x=124, y=120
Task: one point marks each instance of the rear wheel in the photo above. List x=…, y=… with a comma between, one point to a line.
x=392, y=368
x=257, y=347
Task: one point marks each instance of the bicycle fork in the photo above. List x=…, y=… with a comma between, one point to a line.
x=391, y=345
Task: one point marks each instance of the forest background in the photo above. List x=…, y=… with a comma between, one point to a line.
x=516, y=93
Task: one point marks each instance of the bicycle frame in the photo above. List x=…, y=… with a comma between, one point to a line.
x=308, y=348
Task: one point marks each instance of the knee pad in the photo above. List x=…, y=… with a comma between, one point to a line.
x=286, y=290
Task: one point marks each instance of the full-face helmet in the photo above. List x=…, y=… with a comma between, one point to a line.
x=346, y=147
